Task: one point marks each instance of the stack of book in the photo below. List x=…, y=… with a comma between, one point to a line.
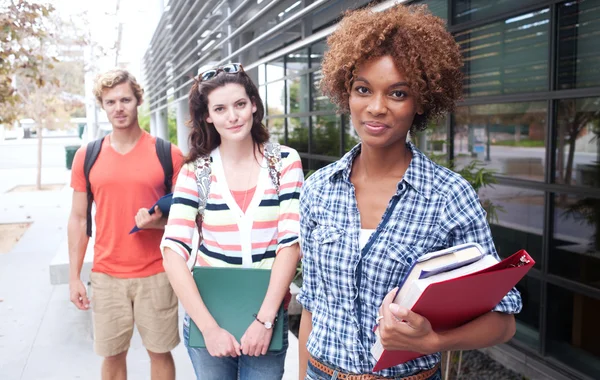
x=452, y=287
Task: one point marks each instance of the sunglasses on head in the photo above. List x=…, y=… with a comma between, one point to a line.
x=230, y=68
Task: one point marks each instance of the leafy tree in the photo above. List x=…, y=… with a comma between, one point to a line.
x=46, y=79
x=23, y=24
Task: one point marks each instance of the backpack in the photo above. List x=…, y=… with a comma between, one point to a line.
x=163, y=151
x=202, y=171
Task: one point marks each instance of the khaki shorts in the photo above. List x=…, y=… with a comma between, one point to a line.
x=118, y=302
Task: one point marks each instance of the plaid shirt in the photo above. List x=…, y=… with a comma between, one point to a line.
x=344, y=286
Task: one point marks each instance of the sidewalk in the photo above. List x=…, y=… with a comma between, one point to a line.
x=42, y=335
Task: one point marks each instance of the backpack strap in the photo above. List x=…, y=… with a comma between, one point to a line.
x=202, y=170
x=91, y=154
x=163, y=151
x=273, y=155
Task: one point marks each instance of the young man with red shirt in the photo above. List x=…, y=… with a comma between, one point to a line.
x=128, y=282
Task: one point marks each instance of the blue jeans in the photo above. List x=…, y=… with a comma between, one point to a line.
x=313, y=373
x=207, y=367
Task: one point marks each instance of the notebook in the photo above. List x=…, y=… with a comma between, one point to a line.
x=164, y=204
x=233, y=296
x=453, y=298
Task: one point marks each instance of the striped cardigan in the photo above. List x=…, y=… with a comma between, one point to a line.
x=230, y=237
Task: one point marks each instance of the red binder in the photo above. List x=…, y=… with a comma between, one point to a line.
x=454, y=302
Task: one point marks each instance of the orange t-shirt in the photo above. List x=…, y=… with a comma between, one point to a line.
x=122, y=184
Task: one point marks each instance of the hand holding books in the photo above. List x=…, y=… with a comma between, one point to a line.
x=444, y=290
x=402, y=329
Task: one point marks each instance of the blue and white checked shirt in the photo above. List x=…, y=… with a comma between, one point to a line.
x=343, y=286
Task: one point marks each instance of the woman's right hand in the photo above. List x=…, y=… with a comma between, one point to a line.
x=220, y=343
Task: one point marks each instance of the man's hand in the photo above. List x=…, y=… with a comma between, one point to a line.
x=78, y=294
x=256, y=339
x=143, y=219
x=220, y=343
x=401, y=329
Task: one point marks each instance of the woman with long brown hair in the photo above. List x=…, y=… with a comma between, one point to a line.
x=250, y=220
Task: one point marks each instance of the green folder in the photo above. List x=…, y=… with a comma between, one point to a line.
x=233, y=296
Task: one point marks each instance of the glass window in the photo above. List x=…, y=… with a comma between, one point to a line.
x=578, y=47
x=298, y=134
x=350, y=136
x=274, y=70
x=318, y=164
x=509, y=138
x=506, y=57
x=262, y=74
x=275, y=98
x=296, y=62
x=575, y=247
x=262, y=91
x=573, y=332
x=516, y=219
x=276, y=127
x=528, y=320
x=326, y=137
x=434, y=139
x=471, y=10
x=317, y=50
x=297, y=94
x=320, y=102
x=438, y=8
x=578, y=130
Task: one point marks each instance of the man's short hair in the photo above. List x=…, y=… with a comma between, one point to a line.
x=114, y=78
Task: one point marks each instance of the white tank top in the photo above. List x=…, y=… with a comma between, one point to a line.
x=365, y=234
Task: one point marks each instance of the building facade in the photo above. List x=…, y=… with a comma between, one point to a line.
x=531, y=113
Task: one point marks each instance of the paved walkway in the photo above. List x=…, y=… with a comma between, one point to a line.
x=42, y=335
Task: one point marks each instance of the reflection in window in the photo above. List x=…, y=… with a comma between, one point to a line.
x=317, y=50
x=578, y=48
x=573, y=332
x=276, y=127
x=262, y=74
x=575, y=248
x=298, y=133
x=471, y=10
x=275, y=98
x=438, y=8
x=326, y=135
x=275, y=70
x=297, y=93
x=506, y=57
x=296, y=62
x=519, y=219
x=320, y=102
x=528, y=320
x=578, y=133
x=508, y=137
x=434, y=139
x=262, y=92
x=350, y=136
x=318, y=164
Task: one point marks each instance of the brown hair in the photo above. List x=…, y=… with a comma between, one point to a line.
x=418, y=42
x=114, y=78
x=204, y=137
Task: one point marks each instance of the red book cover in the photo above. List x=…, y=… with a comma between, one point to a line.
x=452, y=303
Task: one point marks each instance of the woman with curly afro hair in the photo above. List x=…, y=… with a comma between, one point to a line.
x=368, y=217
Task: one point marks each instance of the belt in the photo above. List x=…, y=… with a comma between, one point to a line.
x=348, y=376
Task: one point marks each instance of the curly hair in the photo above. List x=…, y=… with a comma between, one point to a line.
x=204, y=137
x=114, y=78
x=418, y=42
